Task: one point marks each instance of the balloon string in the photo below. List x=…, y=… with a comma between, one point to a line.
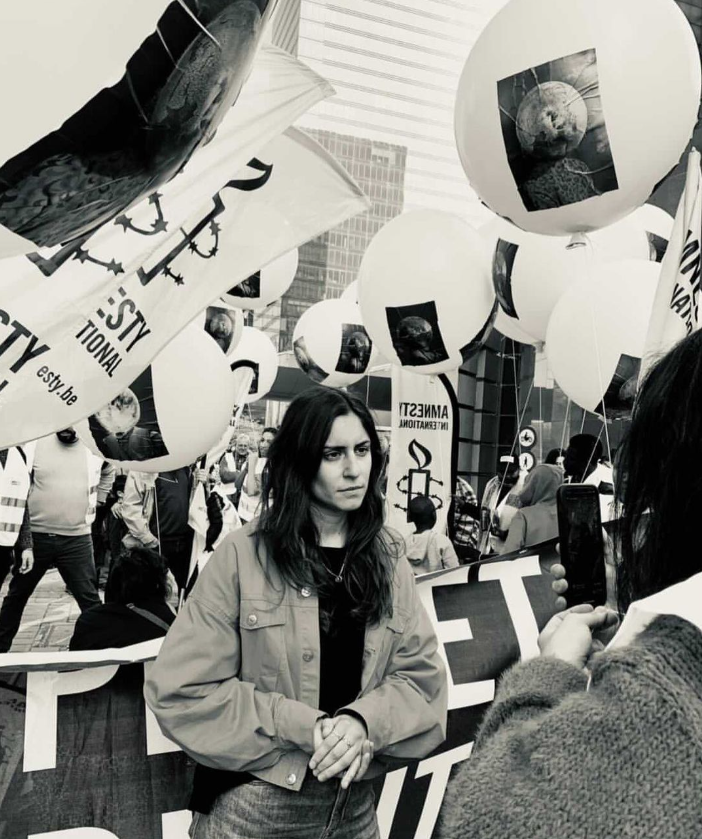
x=597, y=354
x=165, y=46
x=565, y=424
x=132, y=92
x=199, y=23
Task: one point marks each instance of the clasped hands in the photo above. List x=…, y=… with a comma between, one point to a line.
x=341, y=747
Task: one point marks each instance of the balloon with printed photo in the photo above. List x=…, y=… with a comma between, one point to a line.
x=331, y=345
x=557, y=120
x=256, y=352
x=265, y=286
x=160, y=96
x=425, y=291
x=225, y=325
x=597, y=333
x=172, y=413
x=530, y=272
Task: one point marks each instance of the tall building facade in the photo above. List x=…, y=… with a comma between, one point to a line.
x=329, y=263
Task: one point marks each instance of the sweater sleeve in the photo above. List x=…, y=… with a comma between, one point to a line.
x=24, y=540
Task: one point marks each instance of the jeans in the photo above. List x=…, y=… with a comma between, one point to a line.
x=259, y=810
x=72, y=556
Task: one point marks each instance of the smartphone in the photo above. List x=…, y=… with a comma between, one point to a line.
x=581, y=546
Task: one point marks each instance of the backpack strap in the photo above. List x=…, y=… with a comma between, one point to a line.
x=149, y=616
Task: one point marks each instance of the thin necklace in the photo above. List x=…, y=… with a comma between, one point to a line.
x=336, y=577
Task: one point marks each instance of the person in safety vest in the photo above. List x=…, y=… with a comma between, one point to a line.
x=15, y=535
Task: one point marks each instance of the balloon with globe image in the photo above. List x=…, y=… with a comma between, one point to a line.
x=596, y=336
x=558, y=120
x=173, y=412
x=425, y=291
x=530, y=272
x=255, y=353
x=265, y=286
x=331, y=345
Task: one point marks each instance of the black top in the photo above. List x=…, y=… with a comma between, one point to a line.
x=172, y=504
x=341, y=662
x=115, y=625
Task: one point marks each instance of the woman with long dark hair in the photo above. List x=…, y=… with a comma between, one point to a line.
x=303, y=662
x=578, y=744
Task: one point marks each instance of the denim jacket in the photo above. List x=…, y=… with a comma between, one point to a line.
x=236, y=683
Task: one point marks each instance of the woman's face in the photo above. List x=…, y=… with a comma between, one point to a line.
x=342, y=480
x=265, y=443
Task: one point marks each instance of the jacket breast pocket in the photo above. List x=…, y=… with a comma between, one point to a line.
x=262, y=631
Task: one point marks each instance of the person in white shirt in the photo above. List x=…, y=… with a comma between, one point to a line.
x=67, y=485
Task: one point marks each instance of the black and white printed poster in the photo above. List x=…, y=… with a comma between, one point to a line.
x=555, y=132
x=416, y=334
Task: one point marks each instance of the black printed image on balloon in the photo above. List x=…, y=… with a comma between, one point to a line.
x=246, y=364
x=250, y=288
x=555, y=134
x=305, y=362
x=618, y=401
x=657, y=246
x=127, y=428
x=502, y=265
x=220, y=324
x=355, y=349
x=415, y=334
x=133, y=137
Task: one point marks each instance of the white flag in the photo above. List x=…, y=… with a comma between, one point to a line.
x=76, y=349
x=676, y=306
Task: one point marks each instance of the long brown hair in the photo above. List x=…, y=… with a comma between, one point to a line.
x=286, y=526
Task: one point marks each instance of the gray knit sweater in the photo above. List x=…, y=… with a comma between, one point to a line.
x=623, y=759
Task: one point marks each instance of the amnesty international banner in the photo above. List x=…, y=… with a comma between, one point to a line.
x=55, y=373
x=423, y=449
x=79, y=322
x=82, y=757
x=676, y=304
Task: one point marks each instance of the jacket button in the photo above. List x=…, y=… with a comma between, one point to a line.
x=292, y=777
x=253, y=620
x=305, y=591
x=307, y=656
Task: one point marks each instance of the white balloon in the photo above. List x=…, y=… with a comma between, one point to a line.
x=255, y=351
x=595, y=326
x=225, y=324
x=265, y=286
x=559, y=119
x=425, y=291
x=531, y=272
x=173, y=413
x=350, y=292
x=331, y=345
x=511, y=328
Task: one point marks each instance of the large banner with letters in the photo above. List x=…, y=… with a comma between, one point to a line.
x=81, y=757
x=79, y=323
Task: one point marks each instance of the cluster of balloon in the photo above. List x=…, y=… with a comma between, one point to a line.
x=225, y=325
x=331, y=344
x=172, y=413
x=255, y=352
x=555, y=119
x=265, y=286
x=530, y=272
x=131, y=137
x=596, y=336
x=425, y=291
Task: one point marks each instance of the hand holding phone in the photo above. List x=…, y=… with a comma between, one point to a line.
x=581, y=547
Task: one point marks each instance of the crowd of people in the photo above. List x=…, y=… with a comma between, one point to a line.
x=302, y=664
